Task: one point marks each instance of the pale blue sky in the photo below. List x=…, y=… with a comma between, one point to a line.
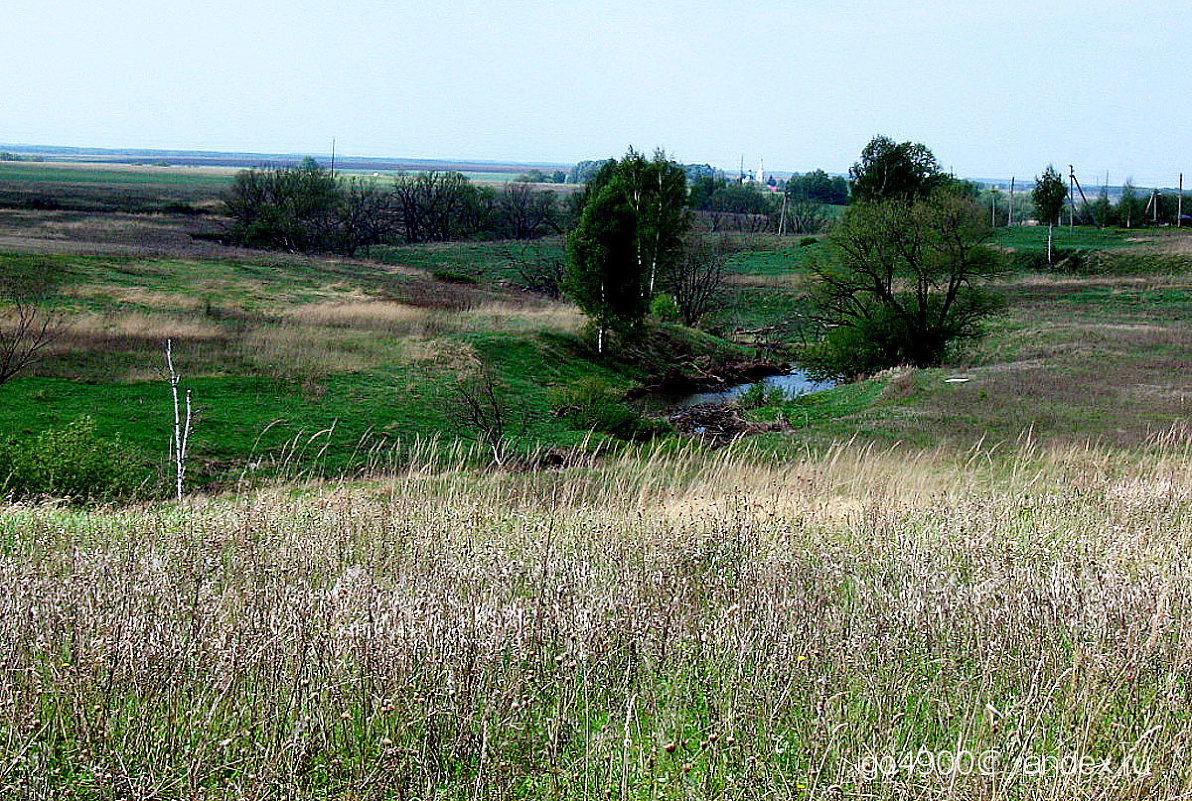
x=993, y=88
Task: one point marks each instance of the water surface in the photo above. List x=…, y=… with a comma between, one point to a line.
x=792, y=384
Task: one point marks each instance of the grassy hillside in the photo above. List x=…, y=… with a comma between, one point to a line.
x=277, y=351
x=313, y=363
x=674, y=626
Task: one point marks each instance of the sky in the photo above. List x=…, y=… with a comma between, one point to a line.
x=995, y=89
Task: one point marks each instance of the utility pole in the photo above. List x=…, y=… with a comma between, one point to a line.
x=333, y=157
x=1071, y=199
x=1010, y=213
x=1072, y=179
x=1179, y=213
x=782, y=219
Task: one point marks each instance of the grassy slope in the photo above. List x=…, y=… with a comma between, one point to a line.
x=673, y=627
x=278, y=350
x=1100, y=356
x=312, y=364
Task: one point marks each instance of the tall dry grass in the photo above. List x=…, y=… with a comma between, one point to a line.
x=667, y=625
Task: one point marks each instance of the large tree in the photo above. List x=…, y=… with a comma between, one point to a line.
x=1048, y=196
x=895, y=170
x=630, y=236
x=657, y=192
x=604, y=274
x=902, y=281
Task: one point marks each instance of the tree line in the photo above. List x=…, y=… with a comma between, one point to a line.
x=306, y=209
x=797, y=205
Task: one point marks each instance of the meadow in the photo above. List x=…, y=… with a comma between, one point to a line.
x=917, y=588
x=850, y=623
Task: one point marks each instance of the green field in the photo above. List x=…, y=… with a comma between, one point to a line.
x=277, y=352
x=203, y=178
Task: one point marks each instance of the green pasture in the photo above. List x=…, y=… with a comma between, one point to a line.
x=196, y=178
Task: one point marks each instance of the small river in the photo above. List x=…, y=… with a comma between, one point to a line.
x=792, y=384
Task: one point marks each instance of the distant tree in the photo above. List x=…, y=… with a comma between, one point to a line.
x=891, y=170
x=288, y=208
x=731, y=205
x=584, y=171
x=1101, y=209
x=1048, y=196
x=524, y=212
x=696, y=171
x=805, y=217
x=1129, y=207
x=902, y=281
x=435, y=206
x=365, y=216
x=819, y=187
x=558, y=177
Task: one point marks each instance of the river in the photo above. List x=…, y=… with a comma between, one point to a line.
x=792, y=384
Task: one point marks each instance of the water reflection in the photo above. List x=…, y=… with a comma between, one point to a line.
x=792, y=384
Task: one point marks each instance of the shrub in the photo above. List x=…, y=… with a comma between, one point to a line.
x=592, y=405
x=70, y=462
x=808, y=241
x=453, y=277
x=1029, y=261
x=760, y=395
x=665, y=309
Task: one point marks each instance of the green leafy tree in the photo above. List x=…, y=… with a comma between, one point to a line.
x=730, y=205
x=895, y=170
x=1101, y=209
x=1048, y=196
x=657, y=193
x=629, y=238
x=819, y=187
x=1129, y=207
x=604, y=274
x=901, y=282
x=585, y=171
